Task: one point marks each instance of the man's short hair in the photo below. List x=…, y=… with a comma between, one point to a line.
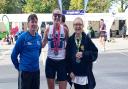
x=102, y=19
x=32, y=17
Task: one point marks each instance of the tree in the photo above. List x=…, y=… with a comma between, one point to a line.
x=123, y=4
x=39, y=6
x=66, y=4
x=3, y=4
x=30, y=6
x=13, y=6
x=49, y=6
x=9, y=6
x=76, y=4
x=98, y=6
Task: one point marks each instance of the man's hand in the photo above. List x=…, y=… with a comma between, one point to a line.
x=72, y=75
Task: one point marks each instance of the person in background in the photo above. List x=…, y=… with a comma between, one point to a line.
x=8, y=39
x=63, y=19
x=20, y=32
x=90, y=30
x=43, y=27
x=102, y=33
x=25, y=56
x=80, y=55
x=123, y=30
x=56, y=36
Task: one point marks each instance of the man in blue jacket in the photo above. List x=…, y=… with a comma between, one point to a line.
x=25, y=56
x=81, y=53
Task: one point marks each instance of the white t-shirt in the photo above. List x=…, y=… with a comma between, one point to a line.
x=81, y=80
x=61, y=51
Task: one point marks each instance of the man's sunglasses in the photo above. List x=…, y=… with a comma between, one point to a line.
x=57, y=15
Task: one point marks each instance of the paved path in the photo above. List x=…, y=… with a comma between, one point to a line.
x=110, y=69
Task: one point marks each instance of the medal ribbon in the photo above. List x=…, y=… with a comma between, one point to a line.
x=56, y=38
x=78, y=42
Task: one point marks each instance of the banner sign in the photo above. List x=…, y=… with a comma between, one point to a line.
x=73, y=12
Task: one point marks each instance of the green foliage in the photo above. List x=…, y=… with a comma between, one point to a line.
x=3, y=5
x=13, y=6
x=47, y=6
x=3, y=35
x=98, y=6
x=65, y=4
x=76, y=4
x=122, y=4
x=9, y=6
x=39, y=6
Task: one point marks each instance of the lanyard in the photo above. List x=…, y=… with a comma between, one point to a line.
x=78, y=42
x=56, y=38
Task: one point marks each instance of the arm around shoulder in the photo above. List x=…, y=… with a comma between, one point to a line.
x=66, y=30
x=45, y=39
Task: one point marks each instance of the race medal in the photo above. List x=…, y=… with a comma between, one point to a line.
x=82, y=47
x=56, y=39
x=78, y=60
x=78, y=42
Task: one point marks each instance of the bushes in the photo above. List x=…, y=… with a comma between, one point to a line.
x=3, y=35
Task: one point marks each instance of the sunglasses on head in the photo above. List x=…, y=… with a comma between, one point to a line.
x=57, y=15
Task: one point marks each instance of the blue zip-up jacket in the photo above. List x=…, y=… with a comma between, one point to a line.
x=90, y=53
x=25, y=54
